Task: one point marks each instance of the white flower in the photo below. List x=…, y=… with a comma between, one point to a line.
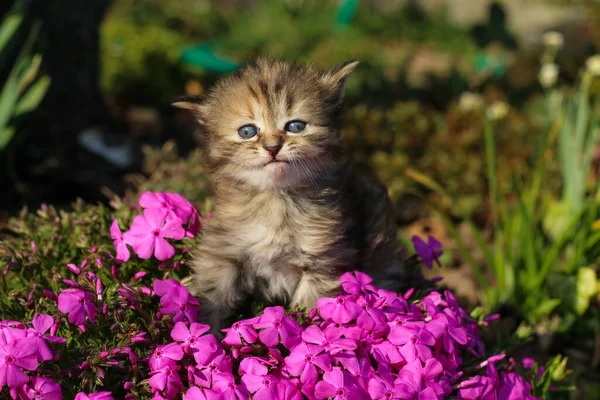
x=553, y=39
x=593, y=65
x=548, y=75
x=498, y=110
x=469, y=101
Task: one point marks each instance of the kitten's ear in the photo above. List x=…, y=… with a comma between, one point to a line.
x=336, y=77
x=193, y=103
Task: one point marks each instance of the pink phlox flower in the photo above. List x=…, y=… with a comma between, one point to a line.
x=203, y=347
x=167, y=381
x=10, y=331
x=94, y=396
x=431, y=302
x=392, y=304
x=148, y=232
x=349, y=330
x=386, y=353
x=477, y=388
x=217, y=369
x=195, y=393
x=262, y=387
x=446, y=326
x=357, y=282
x=429, y=252
x=453, y=304
x=165, y=355
x=180, y=302
x=414, y=341
x=360, y=368
x=339, y=385
x=341, y=309
x=428, y=374
x=370, y=318
x=304, y=360
x=514, y=387
x=14, y=357
x=42, y=389
x=241, y=329
x=229, y=390
x=77, y=304
x=411, y=387
x=287, y=390
x=382, y=389
x=278, y=325
x=331, y=341
x=41, y=324
x=123, y=253
x=176, y=206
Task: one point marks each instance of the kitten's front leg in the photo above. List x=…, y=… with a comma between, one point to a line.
x=312, y=286
x=216, y=283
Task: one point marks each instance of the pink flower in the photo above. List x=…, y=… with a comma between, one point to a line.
x=176, y=206
x=241, y=329
x=77, y=304
x=195, y=393
x=342, y=309
x=414, y=341
x=203, y=347
x=337, y=384
x=94, y=396
x=8, y=332
x=447, y=327
x=514, y=387
x=256, y=379
x=415, y=372
x=123, y=253
x=148, y=232
x=218, y=369
x=357, y=282
x=383, y=389
x=42, y=389
x=180, y=302
x=278, y=325
x=429, y=252
x=14, y=356
x=328, y=339
x=303, y=361
x=41, y=323
x=167, y=381
x=165, y=355
x=477, y=388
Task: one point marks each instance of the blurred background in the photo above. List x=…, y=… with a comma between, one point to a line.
x=481, y=117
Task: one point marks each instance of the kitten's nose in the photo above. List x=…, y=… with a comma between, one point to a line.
x=273, y=150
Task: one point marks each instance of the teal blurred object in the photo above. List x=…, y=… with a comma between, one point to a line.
x=345, y=13
x=203, y=55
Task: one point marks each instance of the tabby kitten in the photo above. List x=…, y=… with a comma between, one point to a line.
x=290, y=214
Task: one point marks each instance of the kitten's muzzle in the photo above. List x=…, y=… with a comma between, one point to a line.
x=273, y=150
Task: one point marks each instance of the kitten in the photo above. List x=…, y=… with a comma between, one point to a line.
x=290, y=214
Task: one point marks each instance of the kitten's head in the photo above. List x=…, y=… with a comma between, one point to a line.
x=273, y=124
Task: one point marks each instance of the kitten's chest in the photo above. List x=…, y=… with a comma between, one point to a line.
x=275, y=227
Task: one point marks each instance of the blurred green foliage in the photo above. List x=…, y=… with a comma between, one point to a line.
x=23, y=89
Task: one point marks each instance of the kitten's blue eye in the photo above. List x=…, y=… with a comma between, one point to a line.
x=248, y=131
x=295, y=126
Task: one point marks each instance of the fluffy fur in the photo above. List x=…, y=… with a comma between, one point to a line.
x=285, y=231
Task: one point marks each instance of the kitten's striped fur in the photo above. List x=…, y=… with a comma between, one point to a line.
x=285, y=232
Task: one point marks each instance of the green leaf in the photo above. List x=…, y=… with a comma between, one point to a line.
x=9, y=26
x=32, y=98
x=6, y=135
x=587, y=287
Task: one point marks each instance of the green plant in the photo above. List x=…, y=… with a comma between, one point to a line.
x=537, y=271
x=23, y=90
